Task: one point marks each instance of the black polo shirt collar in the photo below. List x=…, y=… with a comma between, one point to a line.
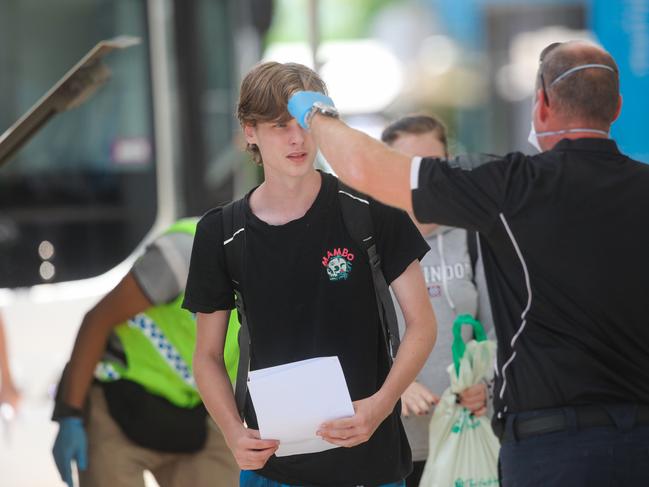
x=590, y=144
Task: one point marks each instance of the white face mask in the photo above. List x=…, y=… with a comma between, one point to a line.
x=533, y=138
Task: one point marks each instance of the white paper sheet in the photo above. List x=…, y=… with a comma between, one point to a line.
x=293, y=400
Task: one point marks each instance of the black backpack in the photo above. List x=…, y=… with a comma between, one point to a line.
x=358, y=222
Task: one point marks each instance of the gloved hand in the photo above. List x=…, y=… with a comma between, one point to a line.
x=301, y=103
x=71, y=444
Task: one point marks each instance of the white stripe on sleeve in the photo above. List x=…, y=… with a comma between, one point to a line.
x=414, y=172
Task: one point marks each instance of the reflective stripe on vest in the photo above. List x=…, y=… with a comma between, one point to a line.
x=105, y=372
x=163, y=346
x=157, y=345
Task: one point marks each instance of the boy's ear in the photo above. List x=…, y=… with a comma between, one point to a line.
x=250, y=133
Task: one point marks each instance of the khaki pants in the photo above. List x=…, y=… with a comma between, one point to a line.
x=115, y=461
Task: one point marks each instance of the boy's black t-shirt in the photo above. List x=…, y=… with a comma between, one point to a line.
x=309, y=293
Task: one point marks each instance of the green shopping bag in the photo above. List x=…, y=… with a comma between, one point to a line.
x=463, y=450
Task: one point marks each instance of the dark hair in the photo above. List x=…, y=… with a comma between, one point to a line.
x=415, y=124
x=265, y=91
x=590, y=95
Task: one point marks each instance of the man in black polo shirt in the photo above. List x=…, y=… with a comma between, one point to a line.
x=564, y=237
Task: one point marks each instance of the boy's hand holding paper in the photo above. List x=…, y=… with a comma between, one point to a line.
x=293, y=400
x=348, y=432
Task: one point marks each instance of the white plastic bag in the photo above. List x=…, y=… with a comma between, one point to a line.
x=463, y=450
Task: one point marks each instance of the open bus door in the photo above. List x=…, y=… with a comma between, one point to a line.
x=76, y=86
x=72, y=205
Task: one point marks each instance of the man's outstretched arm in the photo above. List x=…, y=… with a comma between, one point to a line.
x=364, y=163
x=394, y=178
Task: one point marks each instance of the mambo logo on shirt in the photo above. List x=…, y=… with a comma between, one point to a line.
x=338, y=263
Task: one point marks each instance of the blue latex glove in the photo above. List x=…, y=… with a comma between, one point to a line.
x=301, y=103
x=71, y=444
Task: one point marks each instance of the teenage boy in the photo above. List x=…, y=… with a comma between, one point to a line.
x=297, y=310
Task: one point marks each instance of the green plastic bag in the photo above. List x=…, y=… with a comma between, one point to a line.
x=463, y=450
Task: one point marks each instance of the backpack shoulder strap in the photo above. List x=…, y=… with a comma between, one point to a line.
x=356, y=215
x=358, y=221
x=234, y=220
x=234, y=244
x=472, y=246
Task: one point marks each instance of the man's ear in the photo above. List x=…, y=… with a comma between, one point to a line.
x=619, y=108
x=250, y=133
x=544, y=109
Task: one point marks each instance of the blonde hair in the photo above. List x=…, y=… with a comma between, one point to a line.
x=265, y=91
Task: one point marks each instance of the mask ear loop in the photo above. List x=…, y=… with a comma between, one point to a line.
x=572, y=131
x=579, y=68
x=546, y=98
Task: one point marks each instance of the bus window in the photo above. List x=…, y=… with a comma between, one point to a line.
x=81, y=194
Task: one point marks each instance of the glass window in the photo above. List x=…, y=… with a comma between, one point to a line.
x=85, y=183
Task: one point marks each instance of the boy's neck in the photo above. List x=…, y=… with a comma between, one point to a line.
x=279, y=200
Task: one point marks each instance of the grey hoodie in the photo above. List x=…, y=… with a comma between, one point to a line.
x=450, y=282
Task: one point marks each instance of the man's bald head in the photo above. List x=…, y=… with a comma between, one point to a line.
x=588, y=95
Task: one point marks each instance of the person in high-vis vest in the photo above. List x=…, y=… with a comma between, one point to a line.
x=127, y=401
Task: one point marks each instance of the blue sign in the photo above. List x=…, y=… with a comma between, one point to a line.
x=622, y=27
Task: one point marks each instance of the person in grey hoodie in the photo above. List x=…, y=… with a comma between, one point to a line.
x=456, y=286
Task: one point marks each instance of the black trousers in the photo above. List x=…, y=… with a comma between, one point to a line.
x=613, y=455
x=413, y=479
